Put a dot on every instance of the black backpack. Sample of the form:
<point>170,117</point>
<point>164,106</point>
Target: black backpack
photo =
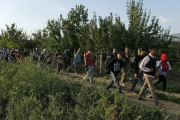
<point>107,70</point>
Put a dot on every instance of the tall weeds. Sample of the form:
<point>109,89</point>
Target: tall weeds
<point>30,92</point>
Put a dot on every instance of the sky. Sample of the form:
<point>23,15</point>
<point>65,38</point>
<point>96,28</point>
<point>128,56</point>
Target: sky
<point>32,15</point>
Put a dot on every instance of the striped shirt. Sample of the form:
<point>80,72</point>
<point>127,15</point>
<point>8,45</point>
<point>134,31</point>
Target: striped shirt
<point>143,67</point>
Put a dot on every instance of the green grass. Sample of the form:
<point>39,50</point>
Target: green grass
<point>170,98</point>
<point>160,96</point>
<point>29,92</point>
<point>173,87</point>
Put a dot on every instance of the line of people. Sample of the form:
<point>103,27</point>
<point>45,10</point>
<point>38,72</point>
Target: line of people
<point>59,58</point>
<point>145,66</point>
<point>43,56</point>
<point>11,55</point>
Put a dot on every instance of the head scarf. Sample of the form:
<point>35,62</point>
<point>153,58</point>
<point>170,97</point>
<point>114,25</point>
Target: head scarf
<point>164,62</point>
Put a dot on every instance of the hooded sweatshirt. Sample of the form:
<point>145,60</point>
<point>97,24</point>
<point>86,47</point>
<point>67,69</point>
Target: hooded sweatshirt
<point>163,66</point>
<point>115,65</point>
<point>89,59</point>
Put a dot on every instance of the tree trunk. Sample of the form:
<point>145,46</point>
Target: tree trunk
<point>101,62</point>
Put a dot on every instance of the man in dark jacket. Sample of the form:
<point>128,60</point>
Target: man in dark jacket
<point>67,59</point>
<point>115,66</point>
<point>126,65</point>
<point>138,73</point>
<point>113,53</point>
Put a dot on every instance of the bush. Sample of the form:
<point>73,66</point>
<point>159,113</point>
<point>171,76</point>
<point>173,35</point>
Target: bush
<point>29,92</point>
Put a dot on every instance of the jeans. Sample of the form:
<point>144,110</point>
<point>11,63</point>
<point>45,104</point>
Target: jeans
<point>113,79</point>
<point>67,62</point>
<point>91,72</point>
<point>140,76</point>
<point>59,66</point>
<point>76,67</point>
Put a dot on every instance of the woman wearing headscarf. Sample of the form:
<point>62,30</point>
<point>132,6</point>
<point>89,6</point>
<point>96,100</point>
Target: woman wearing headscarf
<point>163,66</point>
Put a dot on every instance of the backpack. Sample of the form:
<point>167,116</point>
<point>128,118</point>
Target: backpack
<point>139,65</point>
<point>107,70</point>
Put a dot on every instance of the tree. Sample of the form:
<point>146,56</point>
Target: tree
<point>142,31</point>
<point>76,21</point>
<point>13,37</point>
<point>41,39</point>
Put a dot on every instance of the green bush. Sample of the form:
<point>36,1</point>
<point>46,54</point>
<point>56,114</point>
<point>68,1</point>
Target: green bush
<point>30,92</point>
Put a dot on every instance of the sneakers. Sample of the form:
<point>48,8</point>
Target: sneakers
<point>133,92</point>
<point>85,77</point>
<point>121,93</point>
<point>141,99</point>
<point>149,95</point>
<point>160,104</point>
<point>123,84</point>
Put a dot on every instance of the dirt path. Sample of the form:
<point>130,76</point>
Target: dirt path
<point>170,107</point>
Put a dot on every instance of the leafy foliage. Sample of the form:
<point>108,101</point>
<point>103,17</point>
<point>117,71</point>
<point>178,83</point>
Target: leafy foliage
<point>142,31</point>
<point>29,92</point>
<point>13,37</point>
<point>99,34</point>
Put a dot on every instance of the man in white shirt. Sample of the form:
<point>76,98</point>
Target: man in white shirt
<point>148,66</point>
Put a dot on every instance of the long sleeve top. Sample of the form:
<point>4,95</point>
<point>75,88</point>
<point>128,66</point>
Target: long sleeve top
<point>126,62</point>
<point>137,61</point>
<point>159,67</point>
<point>143,66</point>
<point>88,59</point>
<point>115,65</point>
<point>77,58</point>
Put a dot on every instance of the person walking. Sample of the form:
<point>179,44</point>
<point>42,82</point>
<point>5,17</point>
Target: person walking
<point>13,53</point>
<point>44,54</point>
<point>139,73</point>
<point>49,59</point>
<point>5,54</point>
<point>10,57</point>
<point>36,55</point>
<point>126,65</point>
<point>148,66</point>
<point>58,60</point>
<point>115,66</point>
<point>88,59</point>
<point>18,54</point>
<point>26,52</point>
<point>77,60</point>
<point>67,59</point>
<point>163,66</point>
<point>113,53</point>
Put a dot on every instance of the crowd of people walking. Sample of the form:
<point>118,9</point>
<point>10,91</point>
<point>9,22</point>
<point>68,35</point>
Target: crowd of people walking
<point>145,69</point>
<point>145,66</point>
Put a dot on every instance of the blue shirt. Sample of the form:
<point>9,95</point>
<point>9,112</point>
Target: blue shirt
<point>77,58</point>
